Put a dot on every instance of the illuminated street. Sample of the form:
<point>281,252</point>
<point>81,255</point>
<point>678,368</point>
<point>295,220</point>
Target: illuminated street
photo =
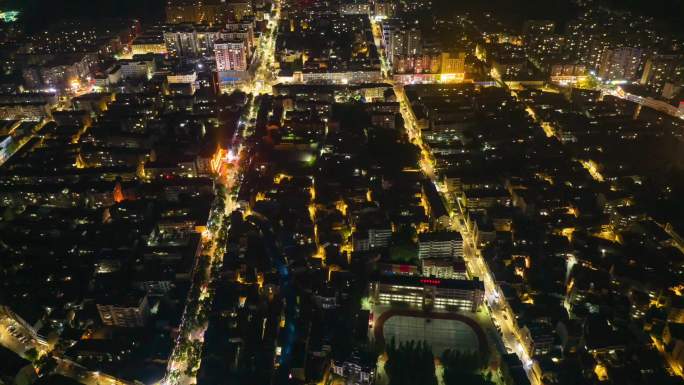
<point>12,333</point>
<point>342,192</point>
<point>476,264</point>
<point>214,243</point>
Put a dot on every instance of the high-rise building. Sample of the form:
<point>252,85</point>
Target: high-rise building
<point>392,38</point>
<point>414,42</point>
<point>127,311</point>
<point>240,30</point>
<point>190,41</point>
<point>231,55</point>
<point>182,42</point>
<point>440,244</point>
<point>592,52</point>
<point>620,63</point>
<point>400,40</point>
<point>662,69</point>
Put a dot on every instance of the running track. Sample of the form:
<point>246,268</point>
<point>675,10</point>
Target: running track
<point>380,324</point>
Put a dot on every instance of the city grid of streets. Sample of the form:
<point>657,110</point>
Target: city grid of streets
<point>262,83</point>
<point>495,316</point>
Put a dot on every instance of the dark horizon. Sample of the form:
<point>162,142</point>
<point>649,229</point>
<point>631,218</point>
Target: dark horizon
<point>45,12</point>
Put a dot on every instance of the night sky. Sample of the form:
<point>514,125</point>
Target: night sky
<point>38,13</point>
<point>670,11</point>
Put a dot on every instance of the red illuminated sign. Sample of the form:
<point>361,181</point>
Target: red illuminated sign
<point>430,281</point>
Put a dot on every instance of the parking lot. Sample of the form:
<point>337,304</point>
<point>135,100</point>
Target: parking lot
<point>15,337</point>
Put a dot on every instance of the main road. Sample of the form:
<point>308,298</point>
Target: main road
<point>179,369</point>
<point>261,66</point>
<point>477,266</point>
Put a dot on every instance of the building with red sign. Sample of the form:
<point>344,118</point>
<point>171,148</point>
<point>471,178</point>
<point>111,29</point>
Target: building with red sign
<point>448,294</point>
